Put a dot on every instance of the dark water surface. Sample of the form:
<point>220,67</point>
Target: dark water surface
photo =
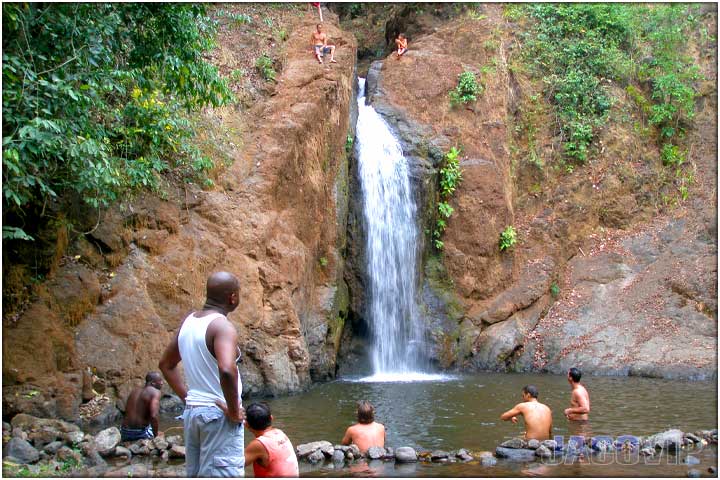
<point>463,412</point>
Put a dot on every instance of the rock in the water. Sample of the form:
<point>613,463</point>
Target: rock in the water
<point>648,452</point>
<point>160,443</point>
<point>690,460</point>
<point>533,444</point>
<point>328,450</point>
<point>488,461</point>
<point>174,440</point>
<point>712,470</point>
<point>543,452</point>
<point>66,454</point>
<point>550,444</point>
<point>355,450</point>
<point>171,404</point>
<point>94,459</point>
<point>142,447</point>
<point>389,453</point>
<point>439,455</point>
<point>693,473</point>
<point>669,440</point>
<point>316,456</point>
<point>136,470</point>
<point>53,447</point>
<point>177,451</point>
<point>349,455</point>
<point>107,440</point>
<point>514,443</point>
<point>516,454</point>
<point>342,448</point>
<point>405,455</point>
<point>375,453</point>
<point>338,456</point>
<point>18,432</point>
<point>692,437</point>
<point>123,452</point>
<point>165,455</point>
<point>306,449</point>
<point>21,450</point>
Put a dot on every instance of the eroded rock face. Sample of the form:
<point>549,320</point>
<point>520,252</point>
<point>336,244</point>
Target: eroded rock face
<point>277,220</point>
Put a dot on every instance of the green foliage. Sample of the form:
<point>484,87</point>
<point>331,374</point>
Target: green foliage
<point>237,18</point>
<point>96,96</point>
<point>672,155</point>
<point>268,21</point>
<point>467,89</point>
<point>237,74</point>
<point>450,178</point>
<point>508,238</point>
<point>280,34</point>
<point>349,143</point>
<point>264,65</point>
<point>323,262</point>
<point>554,290</point>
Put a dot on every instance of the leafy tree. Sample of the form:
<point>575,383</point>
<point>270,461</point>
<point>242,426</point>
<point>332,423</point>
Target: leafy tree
<point>96,97</point>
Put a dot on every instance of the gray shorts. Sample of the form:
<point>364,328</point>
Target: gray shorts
<point>320,50</point>
<point>214,446</point>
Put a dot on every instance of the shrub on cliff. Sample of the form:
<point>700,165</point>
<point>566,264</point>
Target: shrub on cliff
<point>95,101</point>
<point>467,89</point>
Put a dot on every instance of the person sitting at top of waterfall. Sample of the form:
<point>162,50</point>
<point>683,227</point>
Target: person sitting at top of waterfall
<point>537,416</point>
<point>402,45</point>
<point>320,46</point>
<point>141,410</point>
<point>367,432</point>
<point>579,399</point>
<point>271,454</point>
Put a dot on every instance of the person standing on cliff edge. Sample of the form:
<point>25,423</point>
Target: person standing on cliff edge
<point>206,343</point>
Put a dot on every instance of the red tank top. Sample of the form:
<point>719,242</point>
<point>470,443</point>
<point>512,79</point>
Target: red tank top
<point>281,454</point>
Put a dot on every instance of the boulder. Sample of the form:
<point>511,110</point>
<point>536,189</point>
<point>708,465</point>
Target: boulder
<point>532,444</point>
<point>6,426</point>
<point>648,452</point>
<point>170,403</point>
<point>174,440</point>
<point>690,460</point>
<point>107,440</point>
<point>543,452</point>
<point>99,413</point>
<point>405,455</point>
<point>375,453</point>
<point>516,454</point>
<point>30,423</point>
<point>355,450</point>
<point>514,443</point>
<point>692,438</point>
<point>712,470</point>
<point>669,440</point>
<point>21,451</point>
<point>165,455</point>
<point>389,453</point>
<point>43,436</point>
<point>160,443</point>
<point>19,433</point>
<point>306,449</point>
<point>73,438</point>
<point>121,451</point>
<point>142,447</point>
<point>316,456</point>
<point>177,451</point>
<point>439,456</point>
<point>93,459</point>
<point>342,448</point>
<point>53,447</point>
<point>693,473</point>
<point>66,454</point>
<point>338,456</point>
<point>488,461</point>
<point>549,444</point>
<point>328,450</point>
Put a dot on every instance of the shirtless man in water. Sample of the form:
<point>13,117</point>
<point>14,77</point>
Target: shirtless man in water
<point>320,46</point>
<point>579,399</point>
<point>367,432</point>
<point>538,417</point>
<point>141,410</point>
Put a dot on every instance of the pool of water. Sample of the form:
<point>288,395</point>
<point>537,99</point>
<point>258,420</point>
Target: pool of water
<point>463,412</point>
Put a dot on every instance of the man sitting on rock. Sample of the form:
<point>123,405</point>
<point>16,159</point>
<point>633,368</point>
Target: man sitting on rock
<point>320,45</point>
<point>367,432</point>
<point>271,454</point>
<point>141,410</point>
<point>538,417</point>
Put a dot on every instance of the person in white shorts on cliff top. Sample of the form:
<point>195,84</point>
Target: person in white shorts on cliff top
<point>206,343</point>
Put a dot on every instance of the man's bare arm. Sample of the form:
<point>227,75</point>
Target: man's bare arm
<point>510,414</point>
<point>583,405</point>
<point>154,412</point>
<point>256,452</point>
<point>225,347</point>
<point>169,367</point>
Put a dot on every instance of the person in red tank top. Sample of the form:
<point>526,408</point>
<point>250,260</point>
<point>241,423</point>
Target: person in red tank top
<point>271,454</point>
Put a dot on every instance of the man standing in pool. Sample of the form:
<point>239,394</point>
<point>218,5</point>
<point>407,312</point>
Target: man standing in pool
<point>537,416</point>
<point>579,399</point>
<point>367,432</point>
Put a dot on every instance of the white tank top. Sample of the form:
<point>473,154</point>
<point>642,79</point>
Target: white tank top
<point>201,368</point>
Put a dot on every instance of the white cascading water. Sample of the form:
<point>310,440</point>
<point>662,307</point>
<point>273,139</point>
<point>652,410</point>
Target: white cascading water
<point>391,250</point>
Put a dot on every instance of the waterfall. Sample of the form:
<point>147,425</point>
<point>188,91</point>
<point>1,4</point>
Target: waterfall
<point>398,336</point>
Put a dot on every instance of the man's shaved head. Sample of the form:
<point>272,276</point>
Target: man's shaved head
<point>153,377</point>
<point>223,289</point>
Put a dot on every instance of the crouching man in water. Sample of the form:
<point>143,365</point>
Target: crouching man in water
<point>537,416</point>
<point>367,432</point>
<point>141,410</point>
<point>271,454</point>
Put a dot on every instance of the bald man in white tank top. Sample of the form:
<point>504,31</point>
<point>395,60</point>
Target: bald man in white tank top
<point>206,343</point>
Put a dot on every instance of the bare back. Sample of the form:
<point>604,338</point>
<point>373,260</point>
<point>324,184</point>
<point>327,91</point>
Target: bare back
<point>538,420</point>
<point>365,435</point>
<point>139,406</point>
<point>579,398</point>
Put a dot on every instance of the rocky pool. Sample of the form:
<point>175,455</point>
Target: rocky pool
<point>463,412</point>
